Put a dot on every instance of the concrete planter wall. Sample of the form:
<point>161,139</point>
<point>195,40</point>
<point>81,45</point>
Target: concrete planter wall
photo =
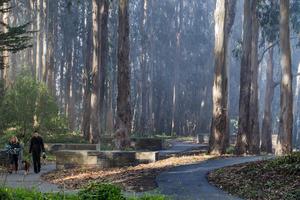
<point>61,146</point>
<point>106,159</point>
<point>150,144</point>
<point>139,144</point>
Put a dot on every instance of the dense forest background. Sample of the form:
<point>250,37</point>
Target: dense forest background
<point>171,63</point>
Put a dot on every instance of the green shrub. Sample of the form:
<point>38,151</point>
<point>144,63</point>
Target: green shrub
<point>26,194</point>
<point>25,101</point>
<point>4,194</point>
<point>101,191</point>
<point>95,191</point>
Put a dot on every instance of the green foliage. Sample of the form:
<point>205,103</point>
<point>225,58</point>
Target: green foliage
<point>101,192</point>
<point>15,38</point>
<point>94,191</point>
<point>4,194</point>
<point>230,150</point>
<point>25,101</point>
<point>69,137</point>
<point>268,15</point>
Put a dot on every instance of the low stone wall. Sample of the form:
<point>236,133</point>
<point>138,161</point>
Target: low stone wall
<point>139,144</point>
<point>149,144</point>
<point>109,159</point>
<point>106,159</point>
<point>66,159</point>
<point>61,146</point>
<point>147,157</point>
<point>204,139</point>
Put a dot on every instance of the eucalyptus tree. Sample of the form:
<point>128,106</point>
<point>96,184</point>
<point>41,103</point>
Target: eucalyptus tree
<point>284,143</point>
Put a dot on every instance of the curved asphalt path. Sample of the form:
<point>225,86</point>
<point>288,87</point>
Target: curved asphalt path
<point>190,182</point>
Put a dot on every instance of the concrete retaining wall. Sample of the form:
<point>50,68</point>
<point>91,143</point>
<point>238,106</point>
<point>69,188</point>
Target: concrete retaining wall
<point>107,159</point>
<point>150,144</point>
<point>53,147</point>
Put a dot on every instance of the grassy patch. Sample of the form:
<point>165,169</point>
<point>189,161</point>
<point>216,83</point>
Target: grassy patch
<point>270,179</point>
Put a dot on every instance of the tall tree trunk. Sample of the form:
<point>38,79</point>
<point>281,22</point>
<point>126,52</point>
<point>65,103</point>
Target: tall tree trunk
<point>253,105</point>
<point>95,90</point>
<point>49,74</point>
<point>104,58</point>
<point>5,59</point>
<point>38,61</point>
<point>32,50</point>
<point>123,98</point>
<point>144,68</point>
<point>220,114</point>
<point>69,93</point>
<point>296,111</point>
<point>244,134</point>
<point>266,131</point>
<point>224,18</point>
<point>44,29</point>
<point>284,143</point>
<point>175,126</point>
<point>85,125</point>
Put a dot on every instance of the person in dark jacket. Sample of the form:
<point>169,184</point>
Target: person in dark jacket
<point>13,150</point>
<point>36,149</point>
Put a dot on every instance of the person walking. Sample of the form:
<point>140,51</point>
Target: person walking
<point>13,149</point>
<point>36,149</point>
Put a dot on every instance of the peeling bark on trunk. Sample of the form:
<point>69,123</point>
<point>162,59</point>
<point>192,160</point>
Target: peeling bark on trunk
<point>284,143</point>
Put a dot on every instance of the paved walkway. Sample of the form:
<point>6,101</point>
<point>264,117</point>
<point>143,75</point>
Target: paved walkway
<point>190,182</point>
<point>30,181</point>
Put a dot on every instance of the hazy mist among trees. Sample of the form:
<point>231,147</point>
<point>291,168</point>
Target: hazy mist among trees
<point>147,67</point>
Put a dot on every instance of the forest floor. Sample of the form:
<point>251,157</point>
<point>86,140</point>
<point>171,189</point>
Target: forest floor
<point>274,179</point>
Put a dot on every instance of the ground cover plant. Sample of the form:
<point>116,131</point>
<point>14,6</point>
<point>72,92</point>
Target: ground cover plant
<point>90,192</point>
<point>277,178</point>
